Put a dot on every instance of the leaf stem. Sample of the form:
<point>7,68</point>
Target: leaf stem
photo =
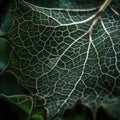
<point>105,5</point>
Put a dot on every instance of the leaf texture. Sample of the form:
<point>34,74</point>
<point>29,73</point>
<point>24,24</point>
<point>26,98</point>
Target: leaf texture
<point>67,53</point>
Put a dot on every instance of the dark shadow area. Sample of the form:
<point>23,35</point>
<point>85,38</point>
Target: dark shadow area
<point>102,115</point>
<point>78,112</point>
<point>9,111</point>
<point>3,9</point>
<point>10,86</point>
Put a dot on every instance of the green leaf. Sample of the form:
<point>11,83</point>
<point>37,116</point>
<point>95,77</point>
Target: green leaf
<point>10,86</point>
<point>112,108</point>
<point>10,111</point>
<point>37,117</point>
<point>6,24</point>
<point>67,4</point>
<point>29,105</point>
<point>5,16</point>
<point>78,112</point>
<point>63,54</point>
<point>4,53</point>
<point>116,6</point>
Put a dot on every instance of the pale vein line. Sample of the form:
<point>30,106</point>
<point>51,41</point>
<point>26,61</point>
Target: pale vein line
<point>70,16</point>
<point>96,54</point>
<point>31,109</point>
<point>67,50</point>
<point>79,78</point>
<point>80,22</point>
<point>72,10</point>
<point>83,69</point>
<point>25,49</point>
<point>113,50</point>
<point>67,10</point>
<point>112,44</point>
<point>114,11</point>
<point>61,57</point>
<point>63,9</point>
<point>73,23</point>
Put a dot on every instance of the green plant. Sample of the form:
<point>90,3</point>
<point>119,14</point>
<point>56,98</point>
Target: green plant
<point>64,51</point>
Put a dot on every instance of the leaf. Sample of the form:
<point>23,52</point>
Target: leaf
<point>78,112</point>
<point>4,53</point>
<point>6,24</point>
<point>29,105</point>
<point>66,51</point>
<point>111,108</point>
<point>9,85</point>
<point>5,17</point>
<point>10,111</point>
<point>116,6</point>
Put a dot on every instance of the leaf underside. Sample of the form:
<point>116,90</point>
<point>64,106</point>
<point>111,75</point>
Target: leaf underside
<point>65,53</point>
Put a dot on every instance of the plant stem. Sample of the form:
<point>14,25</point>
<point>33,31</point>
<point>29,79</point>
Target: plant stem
<point>105,5</point>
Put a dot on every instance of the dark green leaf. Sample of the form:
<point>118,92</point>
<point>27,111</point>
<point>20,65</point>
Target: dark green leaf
<point>63,54</point>
<point>4,53</point>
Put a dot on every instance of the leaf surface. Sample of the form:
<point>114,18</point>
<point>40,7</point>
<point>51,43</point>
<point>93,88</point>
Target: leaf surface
<point>66,53</point>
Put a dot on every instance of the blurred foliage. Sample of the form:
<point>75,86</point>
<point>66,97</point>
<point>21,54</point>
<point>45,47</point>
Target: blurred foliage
<point>5,16</point>
<point>110,110</point>
<point>4,53</point>
<point>78,112</point>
